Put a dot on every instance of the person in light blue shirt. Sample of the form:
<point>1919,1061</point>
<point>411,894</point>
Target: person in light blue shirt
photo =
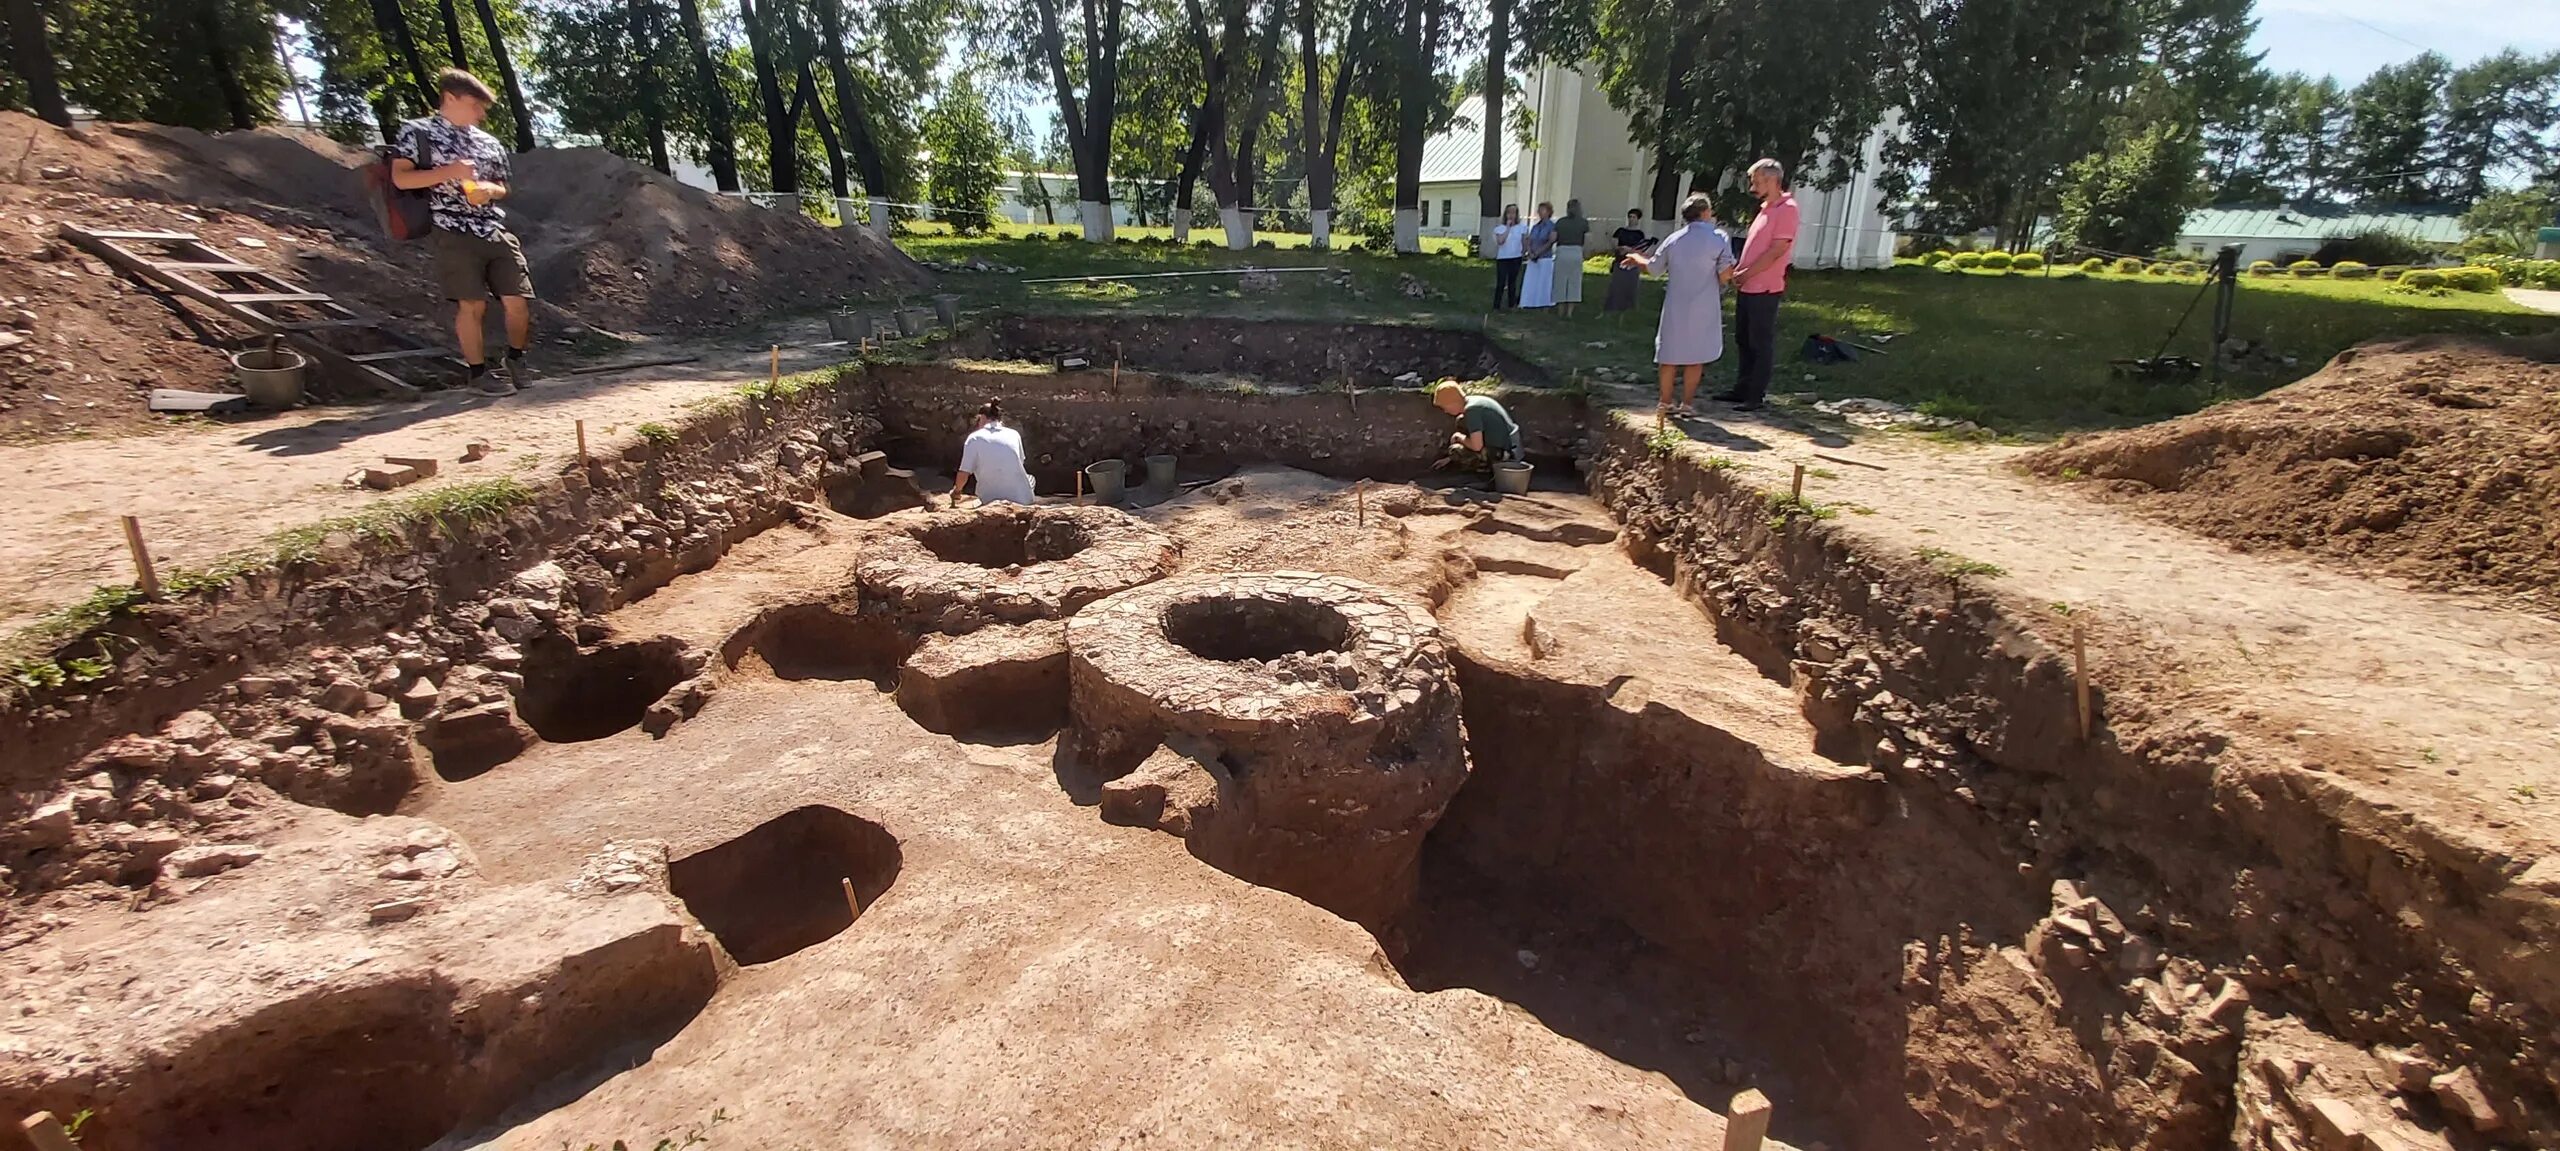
<point>993,455</point>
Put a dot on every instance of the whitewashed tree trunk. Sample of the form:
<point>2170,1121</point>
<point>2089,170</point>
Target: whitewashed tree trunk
<point>1181,226</point>
<point>1409,229</point>
<point>1320,229</point>
<point>1239,224</point>
<point>1097,221</point>
<point>879,218</point>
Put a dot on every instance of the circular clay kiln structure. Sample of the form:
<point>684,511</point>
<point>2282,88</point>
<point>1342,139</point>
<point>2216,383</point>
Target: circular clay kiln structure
<point>1324,708</point>
<point>961,570</point>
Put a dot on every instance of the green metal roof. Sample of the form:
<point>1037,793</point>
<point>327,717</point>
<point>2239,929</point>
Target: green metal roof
<point>2276,222</point>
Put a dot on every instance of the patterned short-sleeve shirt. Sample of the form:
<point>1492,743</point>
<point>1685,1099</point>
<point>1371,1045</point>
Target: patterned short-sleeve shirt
<point>433,142</point>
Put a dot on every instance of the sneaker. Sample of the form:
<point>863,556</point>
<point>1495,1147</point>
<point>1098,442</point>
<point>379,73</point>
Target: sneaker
<point>519,371</point>
<point>1729,397</point>
<point>489,383</point>
<point>1748,405</point>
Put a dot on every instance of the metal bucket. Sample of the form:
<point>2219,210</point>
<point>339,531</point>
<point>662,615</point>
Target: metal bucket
<point>1511,479</point>
<point>914,321</point>
<point>847,326</point>
<point>271,376</point>
<point>1106,480</point>
<point>1159,471</point>
<point>946,309</point>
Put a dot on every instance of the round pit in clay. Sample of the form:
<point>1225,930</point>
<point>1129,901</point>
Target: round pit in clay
<point>961,570</point>
<point>1320,709</point>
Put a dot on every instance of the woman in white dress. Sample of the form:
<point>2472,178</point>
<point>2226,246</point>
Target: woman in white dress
<point>1698,259</point>
<point>1510,240</point>
<point>1538,281</point>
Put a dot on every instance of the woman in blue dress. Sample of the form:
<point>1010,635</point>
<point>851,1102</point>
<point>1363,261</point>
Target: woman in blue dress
<point>1698,260</point>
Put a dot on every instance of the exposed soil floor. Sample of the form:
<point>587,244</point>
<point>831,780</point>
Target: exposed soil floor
<point>2428,703</point>
<point>214,487</point>
<point>1038,978</point>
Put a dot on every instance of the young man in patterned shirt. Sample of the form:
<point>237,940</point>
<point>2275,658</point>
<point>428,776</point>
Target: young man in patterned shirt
<point>465,171</point>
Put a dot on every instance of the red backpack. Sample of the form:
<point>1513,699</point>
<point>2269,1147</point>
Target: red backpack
<point>403,212</point>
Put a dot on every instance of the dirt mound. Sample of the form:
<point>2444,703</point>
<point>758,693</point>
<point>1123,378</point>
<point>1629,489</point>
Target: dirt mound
<point>614,247</point>
<point>2435,460</point>
<point>629,247</point>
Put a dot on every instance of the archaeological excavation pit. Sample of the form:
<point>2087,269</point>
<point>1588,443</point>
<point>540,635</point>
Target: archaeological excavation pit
<point>795,881</point>
<point>816,642</point>
<point>958,570</point>
<point>573,694</point>
<point>1307,724</point>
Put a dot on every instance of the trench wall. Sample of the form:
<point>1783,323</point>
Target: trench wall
<point>1293,351</point>
<point>1909,928</point>
<point>1071,419</point>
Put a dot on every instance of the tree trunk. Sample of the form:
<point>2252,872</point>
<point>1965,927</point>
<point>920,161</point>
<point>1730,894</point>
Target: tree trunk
<point>644,51</point>
<point>1264,84</point>
<point>1087,122</point>
<point>1497,79</point>
<point>807,94</point>
<point>226,71</point>
<point>522,112</point>
<point>1666,185</point>
<point>394,27</point>
<point>1321,124</point>
<point>453,49</point>
<point>1421,34</point>
<point>858,137</point>
<point>31,53</point>
<point>781,130</point>
<point>724,134</point>
<point>1208,125</point>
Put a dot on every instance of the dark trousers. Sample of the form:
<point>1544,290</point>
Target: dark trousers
<point>1755,337</point>
<point>1506,283</point>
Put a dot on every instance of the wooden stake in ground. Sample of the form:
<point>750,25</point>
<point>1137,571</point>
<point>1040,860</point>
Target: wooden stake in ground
<point>1797,493</point>
<point>2080,676</point>
<point>144,576</point>
<point>1746,1121</point>
<point>582,443</point>
<point>44,1133</point>
<point>777,365</point>
<point>852,900</point>
<point>1079,486</point>
<point>1360,503</point>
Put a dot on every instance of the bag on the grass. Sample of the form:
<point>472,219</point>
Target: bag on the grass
<point>403,212</point>
<point>1822,349</point>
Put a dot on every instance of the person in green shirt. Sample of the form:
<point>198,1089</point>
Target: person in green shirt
<point>1571,231</point>
<point>1484,427</point>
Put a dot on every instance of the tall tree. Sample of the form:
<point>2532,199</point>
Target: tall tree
<point>1497,80</point>
<point>968,155</point>
<point>860,140</point>
<point>217,47</point>
<point>1416,47</point>
<point>804,98</point>
<point>1320,116</point>
<point>521,111</point>
<point>455,53</point>
<point>394,28</point>
<point>2393,119</point>
<point>2498,117</point>
<point>31,54</point>
<point>2133,192</point>
<point>768,39</point>
<point>1087,119</point>
<point>718,123</point>
<point>640,21</point>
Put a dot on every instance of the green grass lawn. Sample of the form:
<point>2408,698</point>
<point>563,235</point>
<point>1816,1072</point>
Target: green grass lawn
<point>2025,355</point>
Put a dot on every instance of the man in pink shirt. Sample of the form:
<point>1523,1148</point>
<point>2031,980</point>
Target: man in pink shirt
<point>1760,284</point>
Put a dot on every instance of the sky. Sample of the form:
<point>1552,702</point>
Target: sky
<point>2348,39</point>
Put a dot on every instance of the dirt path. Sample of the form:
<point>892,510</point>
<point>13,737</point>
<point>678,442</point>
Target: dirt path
<point>2536,299</point>
<point>2434,703</point>
<point>204,492</point>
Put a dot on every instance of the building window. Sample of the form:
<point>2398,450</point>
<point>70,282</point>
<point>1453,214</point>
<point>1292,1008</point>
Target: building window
<point>1444,213</point>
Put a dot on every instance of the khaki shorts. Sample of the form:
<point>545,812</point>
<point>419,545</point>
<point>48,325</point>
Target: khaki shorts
<point>468,267</point>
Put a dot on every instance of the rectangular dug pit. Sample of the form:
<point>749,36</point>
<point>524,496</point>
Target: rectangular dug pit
<point>780,888</point>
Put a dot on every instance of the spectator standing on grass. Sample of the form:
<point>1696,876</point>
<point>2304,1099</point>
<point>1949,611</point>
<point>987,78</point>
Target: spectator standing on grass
<point>1538,278</point>
<point>1483,426</point>
<point>1510,240</point>
<point>1572,230</point>
<point>465,173</point>
<point>993,455</point>
<point>1698,260</point>
<point>1624,276</point>
<point>1760,284</point>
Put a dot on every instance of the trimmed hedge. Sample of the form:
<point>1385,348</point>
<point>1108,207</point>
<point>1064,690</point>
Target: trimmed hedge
<point>1998,261</point>
<point>2186,268</point>
<point>1966,259</point>
<point>2391,273</point>
<point>2306,269</point>
<point>2094,265</point>
<point>2421,279</point>
<point>2155,270</point>
<point>2471,279</point>
<point>2128,266</point>
<point>1933,259</point>
<point>2028,262</point>
<point>2262,267</point>
<point>2350,270</point>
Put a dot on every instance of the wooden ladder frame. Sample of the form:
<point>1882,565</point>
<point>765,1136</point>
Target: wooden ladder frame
<point>248,296</point>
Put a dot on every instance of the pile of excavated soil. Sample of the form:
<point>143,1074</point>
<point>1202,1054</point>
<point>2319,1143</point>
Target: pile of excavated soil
<point>2435,460</point>
<point>613,245</point>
